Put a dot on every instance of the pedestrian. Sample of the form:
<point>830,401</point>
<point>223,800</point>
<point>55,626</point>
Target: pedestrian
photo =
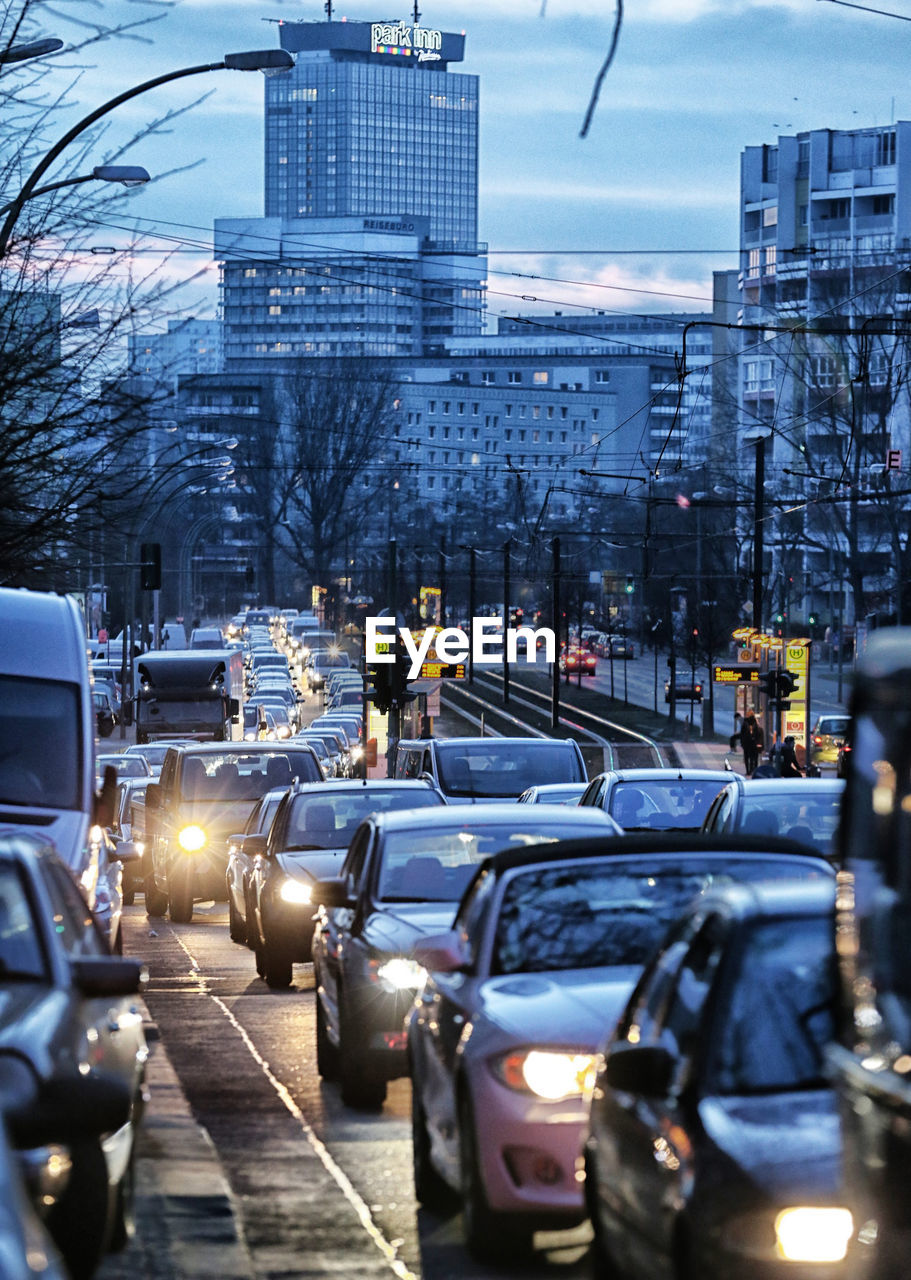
<point>751,742</point>
<point>790,766</point>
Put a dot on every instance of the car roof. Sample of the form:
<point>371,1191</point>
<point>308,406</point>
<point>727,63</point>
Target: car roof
<point>658,844</point>
<point>790,786</point>
<point>505,814</point>
<point>666,775</point>
<point>237,748</point>
<point>338,786</point>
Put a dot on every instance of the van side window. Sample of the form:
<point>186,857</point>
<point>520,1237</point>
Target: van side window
<point>427,766</point>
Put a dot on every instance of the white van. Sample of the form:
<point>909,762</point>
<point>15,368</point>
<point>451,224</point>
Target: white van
<point>47,733</point>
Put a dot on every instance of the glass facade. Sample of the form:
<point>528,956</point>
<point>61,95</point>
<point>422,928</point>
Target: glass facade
<point>365,138</point>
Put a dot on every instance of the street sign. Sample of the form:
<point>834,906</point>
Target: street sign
<point>741,674</point>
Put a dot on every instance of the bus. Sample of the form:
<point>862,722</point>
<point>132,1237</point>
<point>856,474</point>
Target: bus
<point>871,1059</point>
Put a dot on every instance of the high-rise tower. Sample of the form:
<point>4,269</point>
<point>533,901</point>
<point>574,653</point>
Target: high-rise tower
<point>369,242</point>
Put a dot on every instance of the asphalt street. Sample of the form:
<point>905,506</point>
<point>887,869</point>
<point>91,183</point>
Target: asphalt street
<point>308,1187</point>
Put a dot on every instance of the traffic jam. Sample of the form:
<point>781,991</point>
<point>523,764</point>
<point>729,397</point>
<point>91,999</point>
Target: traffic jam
<point>460,1007</point>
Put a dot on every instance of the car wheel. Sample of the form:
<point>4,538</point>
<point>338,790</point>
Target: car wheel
<point>156,899</point>
<point>78,1222</point>
<point>250,924</point>
<point>361,1088</point>
<point>603,1266</point>
<point>123,1227</point>
<point>489,1234</point>
<point>429,1188</point>
<point>117,944</point>
<point>260,960</point>
<point>277,966</point>
<point>326,1051</point>
<point>237,928</point>
<point>180,891</point>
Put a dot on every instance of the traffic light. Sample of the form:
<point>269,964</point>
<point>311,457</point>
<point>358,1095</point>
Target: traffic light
<point>787,683</point>
<point>150,566</point>
<point>399,678</point>
<point>768,684</point>
<point>381,693</point>
<point>630,584</point>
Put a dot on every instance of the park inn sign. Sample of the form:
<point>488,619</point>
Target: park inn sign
<point>398,37</point>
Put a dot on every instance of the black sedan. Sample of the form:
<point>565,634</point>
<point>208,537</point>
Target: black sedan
<point>714,1148</point>
<point>402,879</point>
<point>72,1051</point>
<point>306,842</point>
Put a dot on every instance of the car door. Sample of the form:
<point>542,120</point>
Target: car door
<point>654,1137</point>
<point>333,924</point>
<point>447,1004</point>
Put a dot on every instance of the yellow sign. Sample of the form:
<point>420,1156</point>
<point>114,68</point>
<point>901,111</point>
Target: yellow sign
<point>442,671</point>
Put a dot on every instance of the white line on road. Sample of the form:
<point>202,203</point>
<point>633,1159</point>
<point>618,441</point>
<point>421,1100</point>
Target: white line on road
<point>334,1170</point>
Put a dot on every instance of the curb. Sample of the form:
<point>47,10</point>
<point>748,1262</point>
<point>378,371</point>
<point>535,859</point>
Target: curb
<point>187,1227</point>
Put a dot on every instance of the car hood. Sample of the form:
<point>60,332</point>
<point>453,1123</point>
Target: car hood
<point>64,831</point>
<point>315,864</point>
<point>787,1142</point>
<point>399,926</point>
<point>577,1007</point>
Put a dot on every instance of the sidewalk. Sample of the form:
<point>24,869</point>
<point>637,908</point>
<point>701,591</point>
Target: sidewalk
<point>706,755</point>
<point>186,1225</point>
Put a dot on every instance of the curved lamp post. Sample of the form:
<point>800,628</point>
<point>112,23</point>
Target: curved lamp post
<point>267,60</point>
<point>129,175</point>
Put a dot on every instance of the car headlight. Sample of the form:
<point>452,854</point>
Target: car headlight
<point>283,731</point>
<point>547,1073</point>
<point>296,892</point>
<point>356,752</point>
<point>191,839</point>
<point>813,1234</point>
<point>401,974</point>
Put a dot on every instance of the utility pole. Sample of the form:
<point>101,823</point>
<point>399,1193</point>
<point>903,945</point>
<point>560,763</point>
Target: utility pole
<point>555,626</point>
<point>758,517</point>
<point>507,587</point>
<point>472,584</point>
<point>443,583</point>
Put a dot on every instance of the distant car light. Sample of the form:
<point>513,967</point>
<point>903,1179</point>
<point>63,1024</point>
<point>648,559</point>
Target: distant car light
<point>548,1074</point>
<point>813,1234</point>
<point>295,892</point>
<point>191,839</point>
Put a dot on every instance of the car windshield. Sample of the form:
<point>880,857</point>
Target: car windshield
<point>811,818</point>
<point>40,743</point>
<point>126,766</point>
<point>503,770</point>
<point>21,954</point>
<point>779,1010</point>
<point>836,726</point>
<point>436,865</point>
<point>239,775</point>
<point>329,819</point>
<point>675,804</point>
<point>604,913</point>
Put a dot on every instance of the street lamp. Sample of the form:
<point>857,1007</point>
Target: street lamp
<point>266,60</point>
<point>33,49</point>
<point>129,175</point>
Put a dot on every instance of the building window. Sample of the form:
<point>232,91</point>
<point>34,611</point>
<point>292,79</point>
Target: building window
<point>771,256</point>
<point>250,271</point>
<point>509,411</point>
<point>536,411</point>
<point>475,409</point>
<point>541,378</point>
<point>884,204</point>
<point>602,376</point>
<point>753,263</point>
<point>514,375</point>
<point>460,407</point>
<point>885,147</point>
<point>445,406</point>
<point>770,215</point>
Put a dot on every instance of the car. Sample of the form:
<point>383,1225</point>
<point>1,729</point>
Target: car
<point>206,792</point>
<point>128,826</point>
<point>826,737</point>
<point>545,949</point>
<point>479,770</point>
<point>240,865</point>
<point>106,718</point>
<point>72,1052</point>
<point>802,809</point>
<point>323,661</point>
<point>26,1248</point>
<point>656,799</point>
<point>576,659</point>
<point>336,743</point>
<point>127,766</point>
<point>307,841</point>
<point>619,647</point>
<point>206,638</point>
<point>553,793</point>
<point>684,690</point>
<point>711,1100</point>
<point>402,878</point>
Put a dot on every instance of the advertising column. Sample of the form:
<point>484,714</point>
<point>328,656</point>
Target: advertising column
<point>796,719</point>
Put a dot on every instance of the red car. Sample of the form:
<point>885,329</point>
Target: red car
<point>574,658</point>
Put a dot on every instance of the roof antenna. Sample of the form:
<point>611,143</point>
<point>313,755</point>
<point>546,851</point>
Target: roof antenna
<point>328,7</point>
<point>417,14</point>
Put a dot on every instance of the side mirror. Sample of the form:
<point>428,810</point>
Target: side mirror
<point>643,1069</point>
<point>125,851</point>
<point>332,893</point>
<point>107,976</point>
<point>427,777</point>
<point>254,846</point>
<point>153,795</point>
<point>442,953</point>
<point>234,708</point>
<point>371,755</point>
